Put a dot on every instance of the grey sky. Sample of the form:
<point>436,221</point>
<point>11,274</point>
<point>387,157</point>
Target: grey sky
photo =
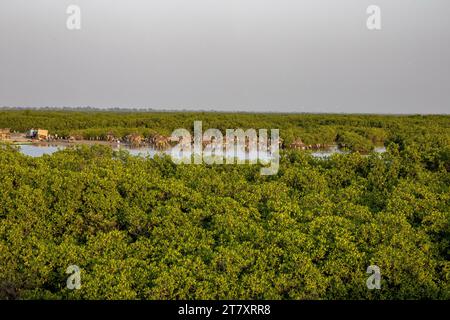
<point>247,55</point>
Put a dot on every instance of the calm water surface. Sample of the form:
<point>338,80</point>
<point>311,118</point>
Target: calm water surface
<point>35,150</point>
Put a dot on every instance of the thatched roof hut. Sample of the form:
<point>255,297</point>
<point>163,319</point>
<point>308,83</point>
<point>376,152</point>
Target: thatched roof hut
<point>297,144</point>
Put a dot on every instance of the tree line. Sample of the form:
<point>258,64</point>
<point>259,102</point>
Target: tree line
<point>354,132</point>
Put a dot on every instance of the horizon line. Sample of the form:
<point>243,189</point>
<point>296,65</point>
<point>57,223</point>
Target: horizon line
<point>153,110</point>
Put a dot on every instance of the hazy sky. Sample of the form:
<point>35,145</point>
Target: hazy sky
<point>247,55</point>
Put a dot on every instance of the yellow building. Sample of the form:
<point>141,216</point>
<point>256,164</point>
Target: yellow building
<point>5,134</point>
<point>42,134</point>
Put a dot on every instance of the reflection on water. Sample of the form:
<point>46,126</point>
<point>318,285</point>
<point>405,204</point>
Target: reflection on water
<point>379,149</point>
<point>142,152</point>
<point>327,152</point>
<point>38,150</point>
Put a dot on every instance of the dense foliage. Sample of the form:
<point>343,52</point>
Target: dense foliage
<point>149,229</point>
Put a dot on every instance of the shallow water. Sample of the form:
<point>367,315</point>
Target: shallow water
<point>38,150</point>
<point>327,152</point>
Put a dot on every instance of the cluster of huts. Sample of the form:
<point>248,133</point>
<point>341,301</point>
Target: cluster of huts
<point>157,141</point>
<point>136,140</point>
<point>299,145</point>
<point>163,142</point>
